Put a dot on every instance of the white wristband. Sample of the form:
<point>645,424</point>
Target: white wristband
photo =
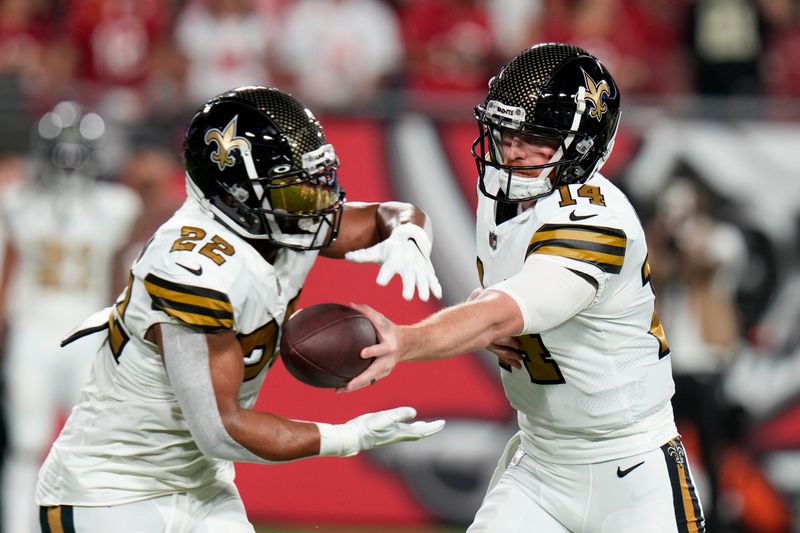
<point>337,440</point>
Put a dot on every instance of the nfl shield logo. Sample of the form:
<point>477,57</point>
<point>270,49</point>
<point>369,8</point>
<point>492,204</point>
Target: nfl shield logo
<point>493,240</point>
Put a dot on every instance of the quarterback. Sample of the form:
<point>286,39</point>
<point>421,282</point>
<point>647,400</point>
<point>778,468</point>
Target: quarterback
<point>567,306</point>
<point>188,343</point>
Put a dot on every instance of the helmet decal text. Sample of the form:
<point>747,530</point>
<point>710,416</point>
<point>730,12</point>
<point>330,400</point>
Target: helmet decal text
<point>226,141</point>
<point>594,95</point>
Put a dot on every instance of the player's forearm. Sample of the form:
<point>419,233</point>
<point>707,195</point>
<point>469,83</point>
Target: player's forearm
<point>273,437</point>
<point>206,372</point>
<point>460,329</point>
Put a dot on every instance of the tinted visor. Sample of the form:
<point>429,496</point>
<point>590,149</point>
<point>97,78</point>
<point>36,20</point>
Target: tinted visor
<point>301,196</point>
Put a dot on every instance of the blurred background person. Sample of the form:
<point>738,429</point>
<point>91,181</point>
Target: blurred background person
<point>156,175</point>
<point>513,23</point>
<point>225,43</point>
<point>36,61</point>
<point>115,43</point>
<point>781,62</point>
<point>726,41</point>
<point>644,54</point>
<point>337,53</point>
<point>699,259</point>
<point>451,47</point>
<point>12,169</point>
<point>63,230</point>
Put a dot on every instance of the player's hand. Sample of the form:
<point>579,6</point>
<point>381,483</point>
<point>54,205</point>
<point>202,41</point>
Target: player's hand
<point>407,252</point>
<point>475,293</point>
<point>385,352</point>
<point>507,350</point>
<point>373,430</point>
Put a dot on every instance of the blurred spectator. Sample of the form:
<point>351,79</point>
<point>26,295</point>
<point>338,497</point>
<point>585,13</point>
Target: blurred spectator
<point>116,40</point>
<point>226,44</point>
<point>339,52</point>
<point>62,230</point>
<point>726,40</point>
<point>696,261</point>
<point>12,168</point>
<point>765,381</point>
<point>24,29</point>
<point>637,40</point>
<point>450,45</point>
<point>36,65</point>
<point>155,174</point>
<point>782,57</point>
<point>513,24</point>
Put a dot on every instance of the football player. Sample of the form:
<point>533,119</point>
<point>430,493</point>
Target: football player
<point>64,232</point>
<point>188,343</point>
<point>567,306</point>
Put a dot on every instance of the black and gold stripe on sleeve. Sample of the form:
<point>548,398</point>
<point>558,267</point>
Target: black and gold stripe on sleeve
<point>198,307</point>
<point>600,246</point>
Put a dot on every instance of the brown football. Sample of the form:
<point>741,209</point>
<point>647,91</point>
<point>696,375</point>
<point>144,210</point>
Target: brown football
<point>321,344</point>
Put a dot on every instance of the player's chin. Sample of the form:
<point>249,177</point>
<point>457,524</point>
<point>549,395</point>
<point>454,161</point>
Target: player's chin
<point>526,174</point>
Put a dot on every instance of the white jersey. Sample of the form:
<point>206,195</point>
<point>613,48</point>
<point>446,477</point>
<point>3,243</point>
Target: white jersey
<point>127,440</point>
<point>65,238</point>
<point>598,386</point>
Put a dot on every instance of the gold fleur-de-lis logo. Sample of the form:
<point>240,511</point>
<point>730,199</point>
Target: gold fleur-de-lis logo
<point>594,95</point>
<point>226,141</point>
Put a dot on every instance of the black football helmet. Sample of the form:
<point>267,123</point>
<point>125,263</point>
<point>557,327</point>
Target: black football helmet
<point>67,146</point>
<point>258,161</point>
<point>556,92</point>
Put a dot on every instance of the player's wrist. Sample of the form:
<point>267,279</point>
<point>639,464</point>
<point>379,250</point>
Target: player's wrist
<point>339,440</point>
<point>411,340</point>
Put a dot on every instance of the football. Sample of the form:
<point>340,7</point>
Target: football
<point>321,344</point>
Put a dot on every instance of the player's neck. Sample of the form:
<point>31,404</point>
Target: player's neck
<point>265,249</point>
<point>507,210</point>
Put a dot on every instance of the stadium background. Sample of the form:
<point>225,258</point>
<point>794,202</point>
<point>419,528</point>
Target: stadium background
<point>710,97</point>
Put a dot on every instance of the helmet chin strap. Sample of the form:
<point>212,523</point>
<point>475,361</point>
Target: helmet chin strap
<point>527,187</point>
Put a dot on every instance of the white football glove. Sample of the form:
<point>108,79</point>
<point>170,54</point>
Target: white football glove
<point>407,251</point>
<point>373,430</point>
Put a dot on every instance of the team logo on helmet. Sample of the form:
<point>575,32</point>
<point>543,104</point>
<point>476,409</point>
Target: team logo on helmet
<point>595,93</point>
<point>226,141</point>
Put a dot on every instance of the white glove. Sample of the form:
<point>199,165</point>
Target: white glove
<point>373,430</point>
<point>407,251</point>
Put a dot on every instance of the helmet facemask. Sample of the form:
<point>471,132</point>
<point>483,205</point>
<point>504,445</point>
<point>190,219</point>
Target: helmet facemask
<point>293,208</point>
<point>67,146</point>
<point>570,146</point>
